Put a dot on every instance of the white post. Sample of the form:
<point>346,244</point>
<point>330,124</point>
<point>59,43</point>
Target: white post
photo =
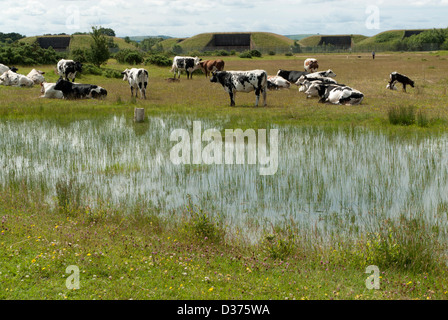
<point>139,114</point>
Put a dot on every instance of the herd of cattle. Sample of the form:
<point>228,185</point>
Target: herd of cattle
<point>311,82</point>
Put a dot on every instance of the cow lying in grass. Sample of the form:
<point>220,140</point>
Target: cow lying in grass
<point>336,94</point>
<point>79,91</point>
<point>48,91</point>
<point>10,78</point>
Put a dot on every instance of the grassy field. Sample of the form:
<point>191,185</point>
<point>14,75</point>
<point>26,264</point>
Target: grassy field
<point>136,252</point>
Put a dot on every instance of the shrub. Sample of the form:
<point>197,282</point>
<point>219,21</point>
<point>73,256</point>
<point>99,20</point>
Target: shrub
<point>255,53</point>
<point>91,69</point>
<point>246,55</point>
<point>79,55</point>
<point>129,56</point>
<point>159,60</point>
<point>111,73</point>
<point>134,58</point>
<point>281,242</point>
<point>204,226</point>
<point>288,54</point>
<point>222,53</point>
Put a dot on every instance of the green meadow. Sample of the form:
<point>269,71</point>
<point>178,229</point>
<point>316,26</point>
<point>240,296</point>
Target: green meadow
<point>83,185</point>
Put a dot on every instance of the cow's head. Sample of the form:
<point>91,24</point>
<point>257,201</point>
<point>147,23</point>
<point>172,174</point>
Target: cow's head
<point>197,62</point>
<point>300,81</point>
<point>125,74</point>
<point>78,66</point>
<point>391,86</point>
<point>62,84</point>
<point>215,76</point>
<point>4,79</point>
<point>330,73</point>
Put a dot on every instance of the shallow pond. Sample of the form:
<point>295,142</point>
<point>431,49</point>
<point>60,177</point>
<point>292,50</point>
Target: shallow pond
<point>351,173</point>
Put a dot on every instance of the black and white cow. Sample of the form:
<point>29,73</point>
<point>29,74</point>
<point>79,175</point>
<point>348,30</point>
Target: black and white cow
<point>336,94</point>
<point>137,79</point>
<point>401,78</point>
<point>292,76</point>
<point>68,68</point>
<point>306,84</point>
<point>48,91</point>
<point>79,91</point>
<point>242,81</point>
<point>187,64</point>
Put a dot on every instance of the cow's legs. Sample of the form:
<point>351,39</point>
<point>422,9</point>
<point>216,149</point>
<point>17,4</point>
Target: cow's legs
<point>404,87</point>
<point>144,89</point>
<point>132,91</point>
<point>232,99</point>
<point>264,97</point>
<point>257,95</point>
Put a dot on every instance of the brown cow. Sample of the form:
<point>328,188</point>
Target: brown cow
<point>211,65</point>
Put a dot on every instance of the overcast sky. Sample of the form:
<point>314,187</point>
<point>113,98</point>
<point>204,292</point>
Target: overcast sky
<point>184,18</point>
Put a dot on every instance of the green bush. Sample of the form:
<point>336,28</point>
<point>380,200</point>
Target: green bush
<point>79,55</point>
<point>134,58</point>
<point>91,69</point>
<point>111,73</point>
<point>28,54</point>
<point>255,53</point>
<point>245,55</point>
<point>159,60</point>
<point>129,56</point>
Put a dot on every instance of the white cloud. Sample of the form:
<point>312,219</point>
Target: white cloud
<point>189,17</point>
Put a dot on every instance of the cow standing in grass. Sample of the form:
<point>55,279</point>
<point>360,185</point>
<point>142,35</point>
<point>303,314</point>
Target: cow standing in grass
<point>187,64</point>
<point>137,79</point>
<point>310,65</point>
<point>242,81</point>
<point>68,69</point>
<point>401,78</point>
<point>209,66</point>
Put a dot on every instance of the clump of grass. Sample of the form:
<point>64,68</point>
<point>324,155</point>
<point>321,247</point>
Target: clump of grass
<point>68,192</point>
<point>405,243</point>
<point>402,115</point>
<point>422,119</point>
<point>280,243</point>
<point>202,225</point>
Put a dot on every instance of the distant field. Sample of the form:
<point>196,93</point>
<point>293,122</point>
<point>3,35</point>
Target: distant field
<point>359,71</point>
